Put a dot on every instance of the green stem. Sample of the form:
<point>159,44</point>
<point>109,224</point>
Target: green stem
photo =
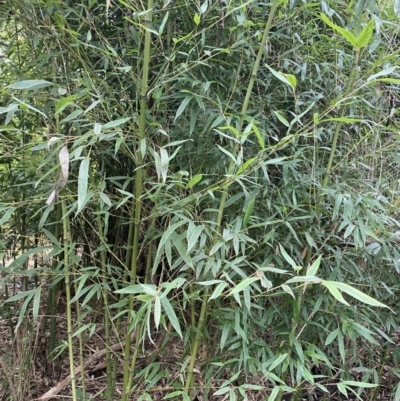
<point>138,193</point>
<point>339,123</point>
<point>67,240</point>
<point>205,296</point>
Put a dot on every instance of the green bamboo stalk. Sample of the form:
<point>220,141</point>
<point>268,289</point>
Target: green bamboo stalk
<point>51,305</point>
<point>140,325</point>
<point>119,320</point>
<point>138,193</point>
<point>67,241</point>
<point>109,395</point>
<point>205,296</point>
<point>80,339</point>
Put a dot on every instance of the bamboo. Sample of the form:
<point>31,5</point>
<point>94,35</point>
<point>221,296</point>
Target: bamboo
<point>67,241</point>
<point>138,193</point>
<point>205,296</point>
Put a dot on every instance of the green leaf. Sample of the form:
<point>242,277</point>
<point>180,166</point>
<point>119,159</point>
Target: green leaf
<point>332,335</point>
<point>334,291</point>
<point>194,180</point>
<point>164,159</point>
<point>116,123</point>
<point>196,19</point>
<point>157,311</point>
<point>348,289</point>
<point>72,115</point>
<point>171,315</point>
<point>182,106</point>
<point>9,211</point>
<point>274,393</point>
<point>382,73</point>
<point>164,21</point>
<point>193,237</point>
<point>343,32</point>
<point>288,290</point>
<point>243,284</point>
<point>64,103</point>
<point>249,210</point>
<point>227,153</point>
<point>282,119</point>
<point>222,390</point>
<point>287,257</point>
<point>313,269</point>
<point>397,395</point>
<point>359,384</point>
<point>365,35</point>
<point>285,78</point>
<point>259,136</point>
<point>83,183</point>
<point>291,79</point>
<point>218,291</point>
<point>32,84</point>
<point>277,362</point>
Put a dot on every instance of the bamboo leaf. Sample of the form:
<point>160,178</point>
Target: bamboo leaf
<point>277,362</point>
<point>249,210</point>
<point>397,394</point>
<point>281,118</point>
<point>287,257</point>
<point>194,180</point>
<point>359,384</point>
<point>243,284</point>
<point>285,78</point>
<point>348,289</point>
<point>83,178</point>
<point>171,315</point>
<point>343,32</point>
<point>365,35</point>
<point>9,211</point>
<point>157,311</point>
<point>386,71</point>
<point>334,291</point>
<point>116,123</point>
<point>288,290</point>
<point>164,21</point>
<point>31,84</point>
<point>182,106</point>
<point>164,159</point>
<point>64,103</point>
<point>218,291</point>
<point>313,269</point>
<point>227,153</point>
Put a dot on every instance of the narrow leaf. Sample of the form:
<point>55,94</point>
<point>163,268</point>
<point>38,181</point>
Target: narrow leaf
<point>83,182</point>
<point>334,291</point>
<point>194,180</point>
<point>386,71</point>
<point>343,32</point>
<point>33,84</point>
<point>243,284</point>
<point>348,289</point>
<point>313,269</point>
<point>171,315</point>
<point>287,257</point>
<point>365,35</point>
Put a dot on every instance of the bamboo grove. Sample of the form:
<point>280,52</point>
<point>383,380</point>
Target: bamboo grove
<point>199,199</point>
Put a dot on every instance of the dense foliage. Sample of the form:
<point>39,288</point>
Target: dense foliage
<point>218,179</point>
